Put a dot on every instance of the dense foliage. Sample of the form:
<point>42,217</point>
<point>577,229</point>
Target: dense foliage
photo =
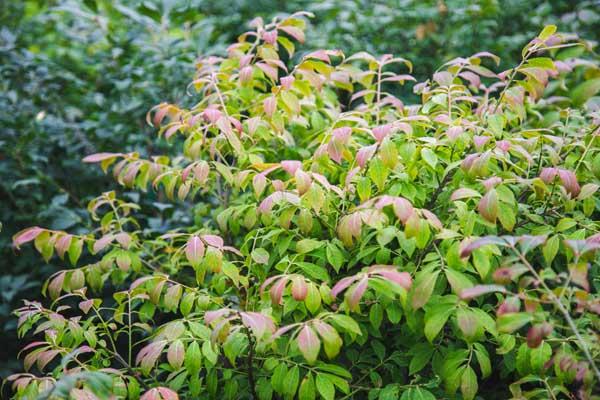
<point>344,244</point>
<point>78,77</point>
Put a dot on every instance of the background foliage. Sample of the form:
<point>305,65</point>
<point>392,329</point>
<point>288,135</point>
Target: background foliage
<point>78,78</point>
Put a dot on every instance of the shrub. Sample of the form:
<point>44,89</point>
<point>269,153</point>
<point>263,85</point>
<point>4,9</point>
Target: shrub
<point>344,244</point>
<point>61,98</point>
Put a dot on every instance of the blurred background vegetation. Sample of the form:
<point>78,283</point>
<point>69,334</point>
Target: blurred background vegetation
<point>78,76</point>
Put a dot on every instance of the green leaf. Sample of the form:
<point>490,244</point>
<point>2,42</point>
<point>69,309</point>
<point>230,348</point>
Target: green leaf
<point>481,261</point>
<point>507,216</point>
<point>548,31</point>
<point>540,356</point>
<point>507,343</point>
<point>346,323</point>
<point>510,322</point>
<point>417,394</point>
<point>435,319</point>
<point>292,379</point>
<point>376,315</point>
<point>307,245</point>
<point>307,388</point>
<point>325,387</point>
<point>378,173</point>
<point>429,157</point>
<point>335,257</point>
<point>550,249</point>
<point>278,378</point>
<point>422,353</point>
<point>468,384</point>
<point>260,256</point>
<point>314,271</point>
<point>423,288</point>
<point>313,299</point>
<point>585,90</point>
<point>209,353</point>
<point>457,280</point>
<point>483,358</point>
<point>522,360</point>
<point>193,358</point>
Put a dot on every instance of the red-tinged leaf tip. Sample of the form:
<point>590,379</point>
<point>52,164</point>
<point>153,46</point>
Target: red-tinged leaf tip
<point>86,305</point>
<point>342,285</point>
<point>258,323</point>
<point>98,157</point>
<point>365,154</point>
<point>214,241</point>
<point>403,209</point>
<point>402,279</point>
<point>211,316</point>
<point>309,344</point>
<point>548,174</point>
<point>101,243</point>
<point>480,290</point>
<point>277,290</point>
<point>477,243</point>
<point>160,393</point>
<point>488,206</point>
<point>381,132</point>
<point>194,250</point>
<point>291,166</point>
<point>270,105</point>
<point>293,31</point>
<point>354,295</point>
<point>299,288</point>
<point>303,181</point>
<point>175,354</point>
<point>569,182</point>
<point>464,193</point>
<point>26,235</point>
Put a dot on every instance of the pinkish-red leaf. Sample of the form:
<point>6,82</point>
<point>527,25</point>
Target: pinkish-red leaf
<point>26,235</point>
<point>194,250</point>
<point>309,344</point>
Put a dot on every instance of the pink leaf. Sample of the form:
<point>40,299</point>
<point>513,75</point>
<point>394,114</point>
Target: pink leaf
<point>548,174</point>
<point>291,166</point>
<point>381,132</point>
<point>488,206</point>
<point>402,279</point>
<point>211,316</point>
<point>479,290</point>
<point>309,344</point>
<point>303,181</point>
<point>293,31</point>
<point>101,243</point>
<point>258,323</point>
<point>94,158</point>
<point>484,241</point>
<point>569,181</point>
<point>167,394</point>
<point>342,285</point>
<point>365,154</point>
<point>86,305</point>
<point>299,288</point>
<point>213,240</point>
<point>354,295</point>
<point>26,235</point>
<point>277,290</point>
<point>403,209</point>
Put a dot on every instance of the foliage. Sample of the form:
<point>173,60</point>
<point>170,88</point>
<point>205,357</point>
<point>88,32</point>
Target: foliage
<point>344,244</point>
<point>78,76</point>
